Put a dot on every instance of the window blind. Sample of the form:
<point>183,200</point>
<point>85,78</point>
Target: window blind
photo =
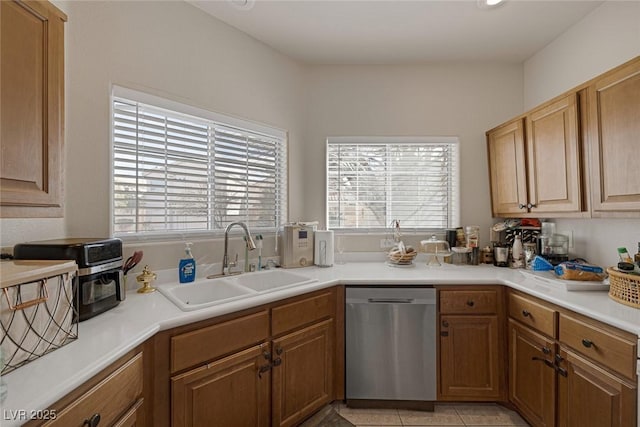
<point>174,172</point>
<point>371,182</point>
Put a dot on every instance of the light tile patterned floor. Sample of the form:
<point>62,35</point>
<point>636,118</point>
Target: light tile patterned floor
<point>444,415</point>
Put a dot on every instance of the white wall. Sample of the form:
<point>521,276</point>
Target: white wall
<point>173,50</point>
<point>607,37</point>
<point>462,100</point>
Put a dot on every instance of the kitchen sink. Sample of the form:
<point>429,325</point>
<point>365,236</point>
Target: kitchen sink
<point>268,280</point>
<point>204,293</point>
<point>208,292</point>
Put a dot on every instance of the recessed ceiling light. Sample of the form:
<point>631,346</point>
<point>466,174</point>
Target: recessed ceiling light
<point>486,4</point>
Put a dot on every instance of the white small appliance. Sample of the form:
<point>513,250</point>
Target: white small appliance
<point>297,245</point>
<point>323,250</point>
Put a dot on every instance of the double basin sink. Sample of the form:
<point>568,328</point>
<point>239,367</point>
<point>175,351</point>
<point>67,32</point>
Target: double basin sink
<point>208,292</point>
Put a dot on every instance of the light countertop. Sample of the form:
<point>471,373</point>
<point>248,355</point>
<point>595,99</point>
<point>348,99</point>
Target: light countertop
<point>107,337</point>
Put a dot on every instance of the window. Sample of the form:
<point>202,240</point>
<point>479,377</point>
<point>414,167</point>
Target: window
<point>373,181</point>
<point>183,170</point>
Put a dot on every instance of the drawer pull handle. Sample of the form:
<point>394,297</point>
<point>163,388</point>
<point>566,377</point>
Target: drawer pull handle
<point>525,313</point>
<point>93,421</point>
<point>470,303</point>
<point>561,371</point>
<point>587,343</point>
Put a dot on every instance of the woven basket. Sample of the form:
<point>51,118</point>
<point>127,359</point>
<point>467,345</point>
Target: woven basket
<point>398,258</point>
<point>624,288</point>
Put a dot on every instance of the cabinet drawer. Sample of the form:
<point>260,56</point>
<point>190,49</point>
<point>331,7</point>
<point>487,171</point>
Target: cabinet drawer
<point>599,344</point>
<point>299,313</point>
<point>109,399</point>
<point>533,314</point>
<point>469,302</point>
<point>193,348</point>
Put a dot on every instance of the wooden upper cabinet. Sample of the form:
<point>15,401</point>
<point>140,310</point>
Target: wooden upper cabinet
<point>553,157</point>
<point>31,109</point>
<point>614,138</point>
<point>507,165</point>
<point>535,162</point>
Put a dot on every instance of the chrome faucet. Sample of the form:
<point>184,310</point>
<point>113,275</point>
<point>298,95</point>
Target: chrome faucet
<point>251,245</point>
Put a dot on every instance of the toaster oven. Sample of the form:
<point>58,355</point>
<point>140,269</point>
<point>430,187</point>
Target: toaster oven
<point>100,281</point>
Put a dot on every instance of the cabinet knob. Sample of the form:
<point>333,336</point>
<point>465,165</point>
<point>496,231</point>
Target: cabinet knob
<point>470,303</point>
<point>279,351</point>
<point>546,350</point>
<point>93,421</point>
<point>445,323</point>
<point>531,205</point>
<point>587,343</point>
<point>522,206</point>
<point>525,313</point>
<point>277,361</point>
<point>266,355</point>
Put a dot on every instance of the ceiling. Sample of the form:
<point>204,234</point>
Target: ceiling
<point>400,31</point>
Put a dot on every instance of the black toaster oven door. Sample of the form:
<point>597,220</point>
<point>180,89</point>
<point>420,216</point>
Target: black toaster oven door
<point>99,292</point>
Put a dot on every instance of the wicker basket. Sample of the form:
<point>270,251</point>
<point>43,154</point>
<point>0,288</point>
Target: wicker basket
<point>624,288</point>
<point>402,259</point>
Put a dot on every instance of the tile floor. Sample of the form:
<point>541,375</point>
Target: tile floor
<point>444,415</point>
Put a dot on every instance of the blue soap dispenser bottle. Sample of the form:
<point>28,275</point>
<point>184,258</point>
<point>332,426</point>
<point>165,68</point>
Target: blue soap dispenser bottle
<point>187,266</point>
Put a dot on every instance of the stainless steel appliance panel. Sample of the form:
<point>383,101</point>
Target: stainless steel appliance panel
<point>391,343</point>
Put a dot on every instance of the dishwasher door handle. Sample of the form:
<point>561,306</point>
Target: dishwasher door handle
<point>391,300</point>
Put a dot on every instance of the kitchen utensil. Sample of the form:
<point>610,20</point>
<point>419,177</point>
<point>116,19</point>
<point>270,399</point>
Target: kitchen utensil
<point>132,261</point>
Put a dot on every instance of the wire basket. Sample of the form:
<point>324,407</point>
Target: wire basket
<point>624,288</point>
<point>36,318</point>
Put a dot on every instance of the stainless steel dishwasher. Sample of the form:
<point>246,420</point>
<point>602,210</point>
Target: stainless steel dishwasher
<point>391,346</point>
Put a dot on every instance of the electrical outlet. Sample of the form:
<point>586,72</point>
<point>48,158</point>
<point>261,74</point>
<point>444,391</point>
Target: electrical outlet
<point>387,243</point>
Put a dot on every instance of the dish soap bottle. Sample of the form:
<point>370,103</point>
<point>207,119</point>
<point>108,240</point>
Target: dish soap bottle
<point>187,266</point>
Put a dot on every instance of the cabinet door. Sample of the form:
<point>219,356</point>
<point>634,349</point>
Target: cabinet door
<point>553,158</point>
<point>471,358</point>
<point>507,174</point>
<point>590,396</point>
<point>614,126</point>
<point>302,373</point>
<point>31,108</point>
<point>532,377</point>
<point>233,391</point>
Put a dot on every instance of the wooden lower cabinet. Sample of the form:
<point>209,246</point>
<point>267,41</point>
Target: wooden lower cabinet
<point>135,417</point>
<point>470,358</point>
<point>302,373</point>
<point>532,376</point>
<point>590,396</point>
<point>115,399</point>
<point>233,391</point>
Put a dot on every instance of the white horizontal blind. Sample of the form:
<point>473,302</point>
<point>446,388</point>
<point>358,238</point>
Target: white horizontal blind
<point>174,172</point>
<point>371,183</point>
